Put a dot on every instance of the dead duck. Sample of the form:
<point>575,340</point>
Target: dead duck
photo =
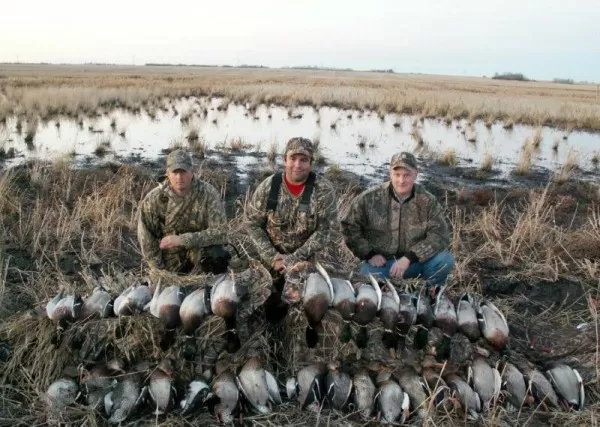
<point>413,386</point>
<point>165,305</point>
<point>98,304</point>
<point>407,314</point>
<point>425,315</point>
<point>514,385</point>
<point>368,302</point>
<point>388,313</point>
<point>226,397</point>
<point>445,313</point>
<point>133,300</point>
<point>467,317</point>
<point>99,380</point>
<point>538,385</point>
<point>463,393</point>
<point>194,308</point>
<point>338,384</point>
<point>318,296</point>
<point>252,383</point>
<point>61,393</point>
<point>568,384</point>
<point>492,324</point>
<point>225,295</point>
<point>393,403</point>
<point>309,387</point>
<point>344,300</point>
<point>161,387</point>
<point>364,393</point>
<point>485,381</point>
<point>126,397</point>
<point>436,388</point>
<point>64,308</point>
<point>195,396</point>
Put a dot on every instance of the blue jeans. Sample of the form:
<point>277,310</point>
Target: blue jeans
<point>435,270</point>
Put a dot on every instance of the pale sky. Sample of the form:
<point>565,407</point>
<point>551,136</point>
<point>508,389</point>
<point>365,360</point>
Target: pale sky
<point>541,39</point>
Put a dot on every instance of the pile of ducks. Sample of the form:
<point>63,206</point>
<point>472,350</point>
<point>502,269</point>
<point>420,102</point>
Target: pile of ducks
<point>174,305</point>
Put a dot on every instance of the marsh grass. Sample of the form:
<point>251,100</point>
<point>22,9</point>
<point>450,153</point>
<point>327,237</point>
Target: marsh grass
<point>568,168</point>
<point>447,158</point>
<point>102,147</point>
<point>536,138</point>
<point>525,160</point>
<point>272,152</point>
<point>487,162</point>
<point>417,136</point>
<point>528,237</point>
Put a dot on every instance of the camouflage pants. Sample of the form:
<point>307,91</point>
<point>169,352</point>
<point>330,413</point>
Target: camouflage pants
<point>211,259</point>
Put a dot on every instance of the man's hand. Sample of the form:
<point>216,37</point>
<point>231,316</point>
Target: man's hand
<point>377,261</point>
<point>278,265</point>
<point>170,242</point>
<point>399,267</point>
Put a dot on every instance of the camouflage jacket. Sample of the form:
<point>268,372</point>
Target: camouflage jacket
<point>287,230</point>
<point>377,223</point>
<point>199,217</point>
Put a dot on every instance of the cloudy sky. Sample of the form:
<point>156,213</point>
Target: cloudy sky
<point>541,39</point>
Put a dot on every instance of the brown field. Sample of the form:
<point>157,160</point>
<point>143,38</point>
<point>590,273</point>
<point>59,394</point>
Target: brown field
<point>53,90</point>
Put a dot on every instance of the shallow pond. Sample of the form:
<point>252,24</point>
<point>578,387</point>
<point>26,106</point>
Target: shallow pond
<point>357,140</point>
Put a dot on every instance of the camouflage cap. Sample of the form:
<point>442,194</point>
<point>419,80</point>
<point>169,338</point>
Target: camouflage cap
<point>404,160</point>
<point>299,146</point>
<point>179,159</point>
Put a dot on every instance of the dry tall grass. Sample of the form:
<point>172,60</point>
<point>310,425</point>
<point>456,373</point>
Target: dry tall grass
<point>62,90</point>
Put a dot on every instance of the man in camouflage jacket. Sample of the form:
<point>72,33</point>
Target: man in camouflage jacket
<point>398,228</point>
<point>182,222</point>
<point>290,233</point>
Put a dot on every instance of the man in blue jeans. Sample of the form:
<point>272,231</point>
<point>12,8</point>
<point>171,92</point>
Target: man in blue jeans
<point>398,228</point>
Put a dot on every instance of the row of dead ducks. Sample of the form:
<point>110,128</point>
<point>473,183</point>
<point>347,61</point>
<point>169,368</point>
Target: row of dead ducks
<point>171,304</point>
<point>389,394</point>
<point>398,311</point>
<point>317,292</point>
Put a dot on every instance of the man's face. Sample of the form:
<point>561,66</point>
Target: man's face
<point>297,168</point>
<point>403,180</point>
<point>180,180</point>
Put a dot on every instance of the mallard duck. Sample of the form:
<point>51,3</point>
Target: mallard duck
<point>252,383</point>
<point>388,313</point>
<point>467,317</point>
<point>126,397</point>
<point>485,380</point>
<point>225,400</point>
<point>224,299</point>
<point>413,385</point>
<point>64,308</point>
<point>514,383</point>
<point>165,305</point>
<point>338,386</point>
<point>538,385</point>
<point>161,387</point>
<point>425,315</point>
<point>368,302</point>
<point>318,296</point>
<point>468,399</point>
<point>436,388</point>
<point>492,324</point>
<point>194,308</point>
<point>309,388</point>
<point>133,300</point>
<point>344,300</point>
<point>196,394</point>
<point>364,393</point>
<point>99,380</point>
<point>445,313</point>
<point>407,314</point>
<point>99,303</point>
<point>393,403</point>
<point>568,385</point>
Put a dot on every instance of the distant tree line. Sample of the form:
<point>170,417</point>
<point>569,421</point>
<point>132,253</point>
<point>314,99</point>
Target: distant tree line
<point>510,76</point>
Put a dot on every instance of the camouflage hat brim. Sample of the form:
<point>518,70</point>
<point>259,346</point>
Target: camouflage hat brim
<point>403,165</point>
<point>299,151</point>
<point>181,166</point>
